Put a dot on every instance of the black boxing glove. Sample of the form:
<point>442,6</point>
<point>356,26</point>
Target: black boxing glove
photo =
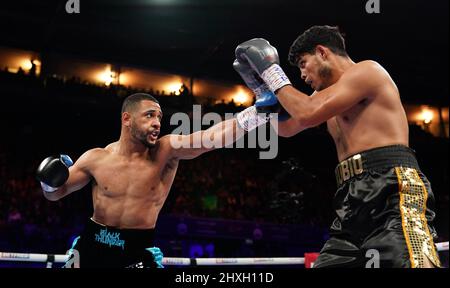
<point>53,172</point>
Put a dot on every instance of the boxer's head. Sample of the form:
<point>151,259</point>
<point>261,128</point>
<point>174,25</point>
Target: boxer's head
<point>313,53</point>
<point>141,115</point>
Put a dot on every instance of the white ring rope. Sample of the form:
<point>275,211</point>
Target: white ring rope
<point>175,261</point>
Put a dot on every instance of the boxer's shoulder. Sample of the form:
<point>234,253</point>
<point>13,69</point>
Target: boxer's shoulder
<point>98,152</point>
<point>368,62</point>
<point>165,143</point>
<point>94,155</point>
<point>164,146</point>
<point>110,148</point>
<point>369,68</point>
<point>366,74</point>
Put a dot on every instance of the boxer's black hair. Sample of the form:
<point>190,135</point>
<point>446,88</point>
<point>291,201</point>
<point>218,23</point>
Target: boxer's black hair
<point>327,36</point>
<point>131,102</point>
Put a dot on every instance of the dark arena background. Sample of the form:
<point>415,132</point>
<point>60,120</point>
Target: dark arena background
<point>66,66</point>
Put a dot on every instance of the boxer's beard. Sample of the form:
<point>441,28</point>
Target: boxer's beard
<point>141,136</point>
<point>325,76</point>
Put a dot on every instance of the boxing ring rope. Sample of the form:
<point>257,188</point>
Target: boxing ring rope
<point>175,261</point>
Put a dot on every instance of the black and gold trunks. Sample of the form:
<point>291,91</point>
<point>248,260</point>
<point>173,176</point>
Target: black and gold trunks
<point>384,210</point>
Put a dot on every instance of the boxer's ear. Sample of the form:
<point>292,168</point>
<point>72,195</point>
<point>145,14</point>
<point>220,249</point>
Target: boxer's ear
<point>126,119</point>
<point>322,52</point>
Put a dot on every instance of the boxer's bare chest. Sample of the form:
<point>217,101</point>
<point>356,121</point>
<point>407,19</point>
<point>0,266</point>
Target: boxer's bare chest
<point>117,176</point>
<point>345,127</point>
<point>337,127</point>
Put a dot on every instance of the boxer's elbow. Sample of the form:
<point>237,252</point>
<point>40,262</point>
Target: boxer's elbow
<point>285,133</point>
<point>281,128</point>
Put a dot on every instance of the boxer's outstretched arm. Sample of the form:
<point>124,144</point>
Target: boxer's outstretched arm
<point>79,177</point>
<point>197,143</point>
<point>355,85</point>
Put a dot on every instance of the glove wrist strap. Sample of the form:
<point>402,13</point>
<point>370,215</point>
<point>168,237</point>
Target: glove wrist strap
<point>275,77</point>
<point>250,119</point>
<point>47,188</point>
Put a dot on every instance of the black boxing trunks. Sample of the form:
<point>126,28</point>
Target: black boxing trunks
<point>384,212</point>
<point>109,247</point>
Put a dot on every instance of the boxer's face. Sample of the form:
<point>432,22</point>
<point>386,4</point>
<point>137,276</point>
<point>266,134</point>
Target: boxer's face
<point>315,70</point>
<point>146,123</point>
